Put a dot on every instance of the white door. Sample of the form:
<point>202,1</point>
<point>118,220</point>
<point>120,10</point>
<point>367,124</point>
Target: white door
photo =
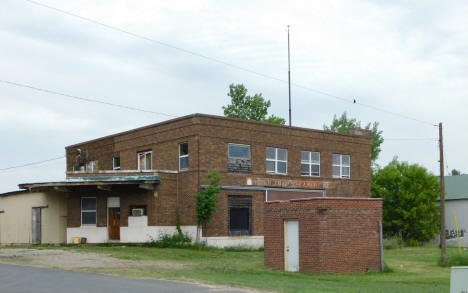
<point>291,253</point>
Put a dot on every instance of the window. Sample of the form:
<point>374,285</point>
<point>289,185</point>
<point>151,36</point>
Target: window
<point>88,211</point>
<point>341,166</point>
<point>310,163</point>
<point>239,160</point>
<point>183,156</point>
<point>240,211</point>
<point>92,166</point>
<point>276,160</point>
<point>145,161</point>
<point>137,211</point>
<point>116,163</point>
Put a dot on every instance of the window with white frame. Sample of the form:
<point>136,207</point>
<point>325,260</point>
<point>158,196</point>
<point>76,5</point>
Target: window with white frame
<point>341,166</point>
<point>183,156</point>
<point>145,161</point>
<point>276,160</point>
<point>116,163</point>
<point>310,163</point>
<point>88,211</point>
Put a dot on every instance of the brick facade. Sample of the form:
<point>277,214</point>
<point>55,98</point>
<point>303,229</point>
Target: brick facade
<point>208,138</point>
<point>336,235</point>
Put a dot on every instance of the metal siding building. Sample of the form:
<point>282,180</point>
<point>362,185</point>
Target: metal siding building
<point>456,200</point>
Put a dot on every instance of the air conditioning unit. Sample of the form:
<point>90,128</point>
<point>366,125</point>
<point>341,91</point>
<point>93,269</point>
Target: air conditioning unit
<point>138,212</point>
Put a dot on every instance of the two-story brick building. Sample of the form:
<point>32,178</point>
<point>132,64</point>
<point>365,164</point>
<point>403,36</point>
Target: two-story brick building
<point>130,186</point>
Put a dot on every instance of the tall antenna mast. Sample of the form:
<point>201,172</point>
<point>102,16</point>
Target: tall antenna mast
<point>289,80</point>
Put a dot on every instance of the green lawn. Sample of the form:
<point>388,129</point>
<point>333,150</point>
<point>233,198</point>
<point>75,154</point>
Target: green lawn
<point>414,270</point>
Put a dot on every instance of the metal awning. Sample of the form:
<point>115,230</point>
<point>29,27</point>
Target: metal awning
<point>95,181</point>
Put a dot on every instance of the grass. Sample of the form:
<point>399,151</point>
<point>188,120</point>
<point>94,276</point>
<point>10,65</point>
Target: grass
<point>413,270</point>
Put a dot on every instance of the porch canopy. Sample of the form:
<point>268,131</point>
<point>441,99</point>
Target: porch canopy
<point>103,182</point>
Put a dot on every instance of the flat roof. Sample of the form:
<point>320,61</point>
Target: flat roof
<point>214,117</point>
<point>102,180</point>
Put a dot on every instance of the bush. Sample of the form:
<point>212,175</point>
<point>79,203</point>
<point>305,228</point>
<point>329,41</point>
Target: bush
<point>457,259</point>
<point>393,242</point>
<point>242,248</point>
<point>171,241</point>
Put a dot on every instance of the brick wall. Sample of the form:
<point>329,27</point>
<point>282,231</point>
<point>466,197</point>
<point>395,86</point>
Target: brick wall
<point>208,138</point>
<point>336,235</point>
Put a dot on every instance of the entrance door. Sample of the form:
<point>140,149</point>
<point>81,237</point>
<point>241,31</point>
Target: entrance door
<point>114,223</point>
<point>291,245</point>
<point>36,225</point>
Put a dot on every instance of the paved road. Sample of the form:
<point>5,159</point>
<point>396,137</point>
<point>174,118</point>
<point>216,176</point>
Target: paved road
<point>23,279</point>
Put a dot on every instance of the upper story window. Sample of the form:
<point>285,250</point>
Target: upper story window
<point>239,158</point>
<point>276,160</point>
<point>116,163</point>
<point>88,211</point>
<point>341,166</point>
<point>310,163</point>
<point>92,166</point>
<point>183,156</point>
<point>145,161</point>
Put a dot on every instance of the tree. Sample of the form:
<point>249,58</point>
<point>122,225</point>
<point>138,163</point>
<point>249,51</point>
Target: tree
<point>248,107</point>
<point>206,200</point>
<point>455,172</point>
<point>344,124</point>
<point>410,195</point>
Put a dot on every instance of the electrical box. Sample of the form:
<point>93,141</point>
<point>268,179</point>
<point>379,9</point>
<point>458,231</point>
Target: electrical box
<point>459,280</point>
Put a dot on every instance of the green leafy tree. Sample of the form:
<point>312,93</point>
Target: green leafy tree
<point>343,124</point>
<point>455,172</point>
<point>410,195</point>
<point>248,107</point>
<point>206,200</point>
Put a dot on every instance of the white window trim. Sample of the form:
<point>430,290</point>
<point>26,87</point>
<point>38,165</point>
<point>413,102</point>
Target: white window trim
<point>113,163</point>
<point>182,156</point>
<point>276,161</point>
<point>144,154</point>
<point>341,165</point>
<point>310,163</point>
<point>242,145</point>
<point>81,213</point>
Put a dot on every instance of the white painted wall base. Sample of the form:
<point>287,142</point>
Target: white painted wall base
<point>227,241</point>
<point>93,234</point>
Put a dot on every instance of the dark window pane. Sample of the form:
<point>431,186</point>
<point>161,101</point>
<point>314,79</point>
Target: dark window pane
<point>148,161</point>
<point>316,157</point>
<point>305,156</point>
<point>184,163</point>
<point>336,171</point>
<point>336,159</point>
<point>88,204</point>
<point>183,149</point>
<point>270,153</point>
<point>270,166</point>
<point>283,154</point>
<point>315,170</point>
<point>116,162</point>
<point>346,172</point>
<point>88,218</point>
<point>282,167</point>
<point>305,169</point>
<point>239,151</point>
<point>239,219</point>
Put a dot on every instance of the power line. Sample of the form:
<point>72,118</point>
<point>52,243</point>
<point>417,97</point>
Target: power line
<point>81,98</point>
<point>32,163</point>
<point>142,37</point>
<point>409,138</point>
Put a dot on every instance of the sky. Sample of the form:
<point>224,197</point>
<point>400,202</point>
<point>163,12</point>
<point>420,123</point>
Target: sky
<point>407,57</point>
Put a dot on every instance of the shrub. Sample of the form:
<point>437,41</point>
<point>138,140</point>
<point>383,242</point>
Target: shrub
<point>393,242</point>
<point>170,241</point>
<point>457,259</point>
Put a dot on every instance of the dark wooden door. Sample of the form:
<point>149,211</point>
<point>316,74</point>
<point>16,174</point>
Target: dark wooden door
<point>114,223</point>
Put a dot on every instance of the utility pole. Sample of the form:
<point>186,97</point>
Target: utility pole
<point>289,80</point>
<point>443,245</point>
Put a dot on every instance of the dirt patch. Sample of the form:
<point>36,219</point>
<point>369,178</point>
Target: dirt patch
<point>74,260</point>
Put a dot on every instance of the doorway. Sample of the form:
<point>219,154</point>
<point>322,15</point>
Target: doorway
<point>36,225</point>
<point>114,223</point>
<point>291,245</point>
